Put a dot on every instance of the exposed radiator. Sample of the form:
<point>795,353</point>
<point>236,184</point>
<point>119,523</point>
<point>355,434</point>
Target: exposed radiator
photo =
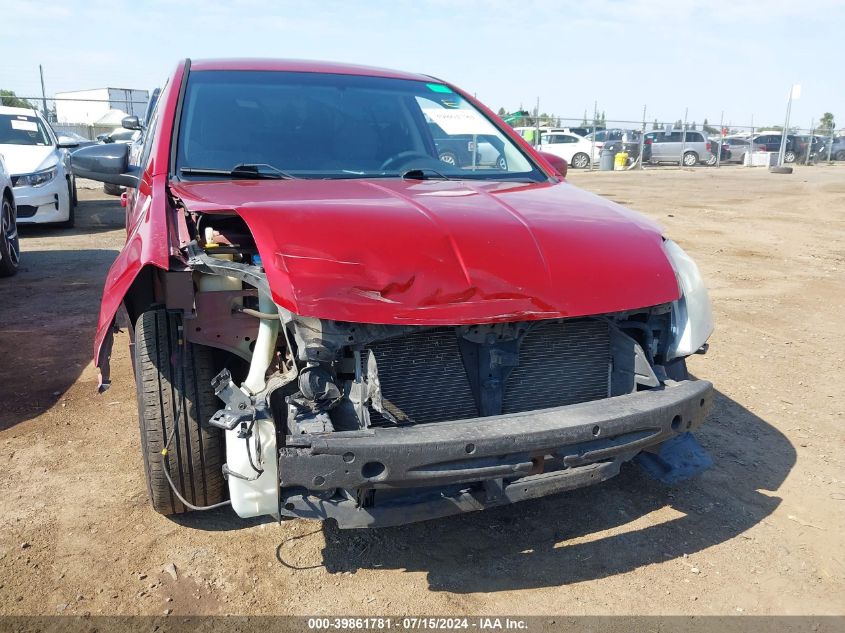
<point>559,364</point>
<point>423,377</point>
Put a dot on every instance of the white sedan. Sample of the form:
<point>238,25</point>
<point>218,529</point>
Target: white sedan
<point>10,250</point>
<point>576,150</point>
<point>44,186</point>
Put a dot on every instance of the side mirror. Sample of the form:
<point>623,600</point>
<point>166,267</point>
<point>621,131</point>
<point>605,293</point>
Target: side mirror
<point>558,164</point>
<point>65,142</point>
<point>105,163</point>
<point>131,123</point>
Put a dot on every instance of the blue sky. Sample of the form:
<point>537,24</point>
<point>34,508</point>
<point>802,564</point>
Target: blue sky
<point>714,55</point>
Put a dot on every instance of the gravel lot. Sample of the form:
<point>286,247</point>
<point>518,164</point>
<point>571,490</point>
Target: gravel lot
<point>760,533</point>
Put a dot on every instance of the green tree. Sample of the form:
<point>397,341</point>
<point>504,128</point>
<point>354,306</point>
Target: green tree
<point>584,120</point>
<point>827,124</point>
<point>10,99</point>
<point>502,112</point>
<point>655,125</point>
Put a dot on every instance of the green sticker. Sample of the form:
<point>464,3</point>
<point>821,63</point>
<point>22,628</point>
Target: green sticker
<point>438,88</point>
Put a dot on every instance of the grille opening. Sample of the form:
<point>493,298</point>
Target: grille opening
<point>423,376</point>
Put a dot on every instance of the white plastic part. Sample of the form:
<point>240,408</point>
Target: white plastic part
<point>265,346</point>
<point>211,283</point>
<point>692,315</point>
<point>261,496</point>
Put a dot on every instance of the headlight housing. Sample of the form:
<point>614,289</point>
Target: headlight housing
<point>692,315</point>
<point>35,179</point>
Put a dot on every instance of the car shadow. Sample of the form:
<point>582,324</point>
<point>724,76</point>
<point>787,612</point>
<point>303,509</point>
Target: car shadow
<point>49,311</point>
<point>612,528</point>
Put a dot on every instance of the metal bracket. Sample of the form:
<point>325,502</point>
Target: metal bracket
<point>239,406</point>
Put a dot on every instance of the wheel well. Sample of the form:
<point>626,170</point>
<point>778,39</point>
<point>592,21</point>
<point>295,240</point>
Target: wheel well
<point>143,293</point>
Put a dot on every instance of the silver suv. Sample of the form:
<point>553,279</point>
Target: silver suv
<point>669,146</point>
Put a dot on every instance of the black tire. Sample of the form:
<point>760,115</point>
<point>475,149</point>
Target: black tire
<point>112,190</point>
<point>780,170</point>
<point>175,380</point>
<point>71,208</point>
<point>789,156</point>
<point>690,159</point>
<point>840,155</point>
<point>10,246</point>
<point>74,194</point>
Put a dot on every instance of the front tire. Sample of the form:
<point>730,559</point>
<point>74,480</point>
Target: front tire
<point>173,379</point>
<point>10,249</point>
<point>71,207</point>
<point>789,156</point>
<point>580,161</point>
<point>112,190</point>
<point>690,159</point>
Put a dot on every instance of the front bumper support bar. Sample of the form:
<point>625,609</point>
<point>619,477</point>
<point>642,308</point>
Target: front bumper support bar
<point>432,470</point>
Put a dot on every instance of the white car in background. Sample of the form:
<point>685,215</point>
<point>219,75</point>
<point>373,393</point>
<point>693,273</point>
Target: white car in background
<point>44,186</point>
<point>10,250</point>
<point>576,150</point>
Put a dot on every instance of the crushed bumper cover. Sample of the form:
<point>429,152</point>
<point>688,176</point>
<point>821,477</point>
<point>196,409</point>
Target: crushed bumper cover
<point>434,470</point>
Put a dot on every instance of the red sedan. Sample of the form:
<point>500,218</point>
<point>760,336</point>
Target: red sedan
<point>329,321</point>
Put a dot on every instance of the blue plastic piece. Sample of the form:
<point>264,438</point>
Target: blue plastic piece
<point>256,260</point>
<point>679,458</point>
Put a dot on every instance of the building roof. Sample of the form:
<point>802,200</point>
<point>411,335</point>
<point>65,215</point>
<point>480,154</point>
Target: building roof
<point>11,110</point>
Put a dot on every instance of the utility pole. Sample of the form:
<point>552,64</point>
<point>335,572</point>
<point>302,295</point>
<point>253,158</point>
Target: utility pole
<point>794,92</point>
<point>537,124</point>
<point>43,94</point>
<point>684,137</point>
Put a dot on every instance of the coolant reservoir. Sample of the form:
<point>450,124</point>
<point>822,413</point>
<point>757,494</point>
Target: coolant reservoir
<point>259,497</point>
<point>211,283</point>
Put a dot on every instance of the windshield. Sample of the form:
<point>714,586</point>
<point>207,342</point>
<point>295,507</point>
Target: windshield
<point>311,125</point>
<point>23,129</point>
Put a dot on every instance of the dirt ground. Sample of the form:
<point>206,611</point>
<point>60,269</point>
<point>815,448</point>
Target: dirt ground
<point>759,533</point>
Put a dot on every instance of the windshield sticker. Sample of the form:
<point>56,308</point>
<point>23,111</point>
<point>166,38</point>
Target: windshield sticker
<point>28,126</point>
<point>438,88</point>
<point>460,121</point>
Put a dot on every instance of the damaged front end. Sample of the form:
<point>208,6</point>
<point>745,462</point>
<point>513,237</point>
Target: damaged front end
<point>375,425</point>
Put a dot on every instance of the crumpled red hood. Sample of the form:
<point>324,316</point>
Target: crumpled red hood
<point>444,252</point>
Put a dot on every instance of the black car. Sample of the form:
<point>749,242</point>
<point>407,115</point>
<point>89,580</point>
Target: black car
<point>837,150</point>
<point>770,142</point>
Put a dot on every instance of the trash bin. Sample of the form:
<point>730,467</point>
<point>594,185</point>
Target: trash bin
<point>606,160</point>
<point>620,161</point>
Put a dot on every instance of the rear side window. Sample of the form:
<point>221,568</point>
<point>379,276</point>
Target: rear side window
<point>694,137</point>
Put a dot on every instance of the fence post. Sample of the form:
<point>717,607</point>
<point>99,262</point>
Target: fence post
<point>721,139</point>
<point>684,139</point>
<point>593,135</point>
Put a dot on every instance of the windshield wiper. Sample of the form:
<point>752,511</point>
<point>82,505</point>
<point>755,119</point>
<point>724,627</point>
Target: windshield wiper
<point>256,171</point>
<point>424,173</point>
